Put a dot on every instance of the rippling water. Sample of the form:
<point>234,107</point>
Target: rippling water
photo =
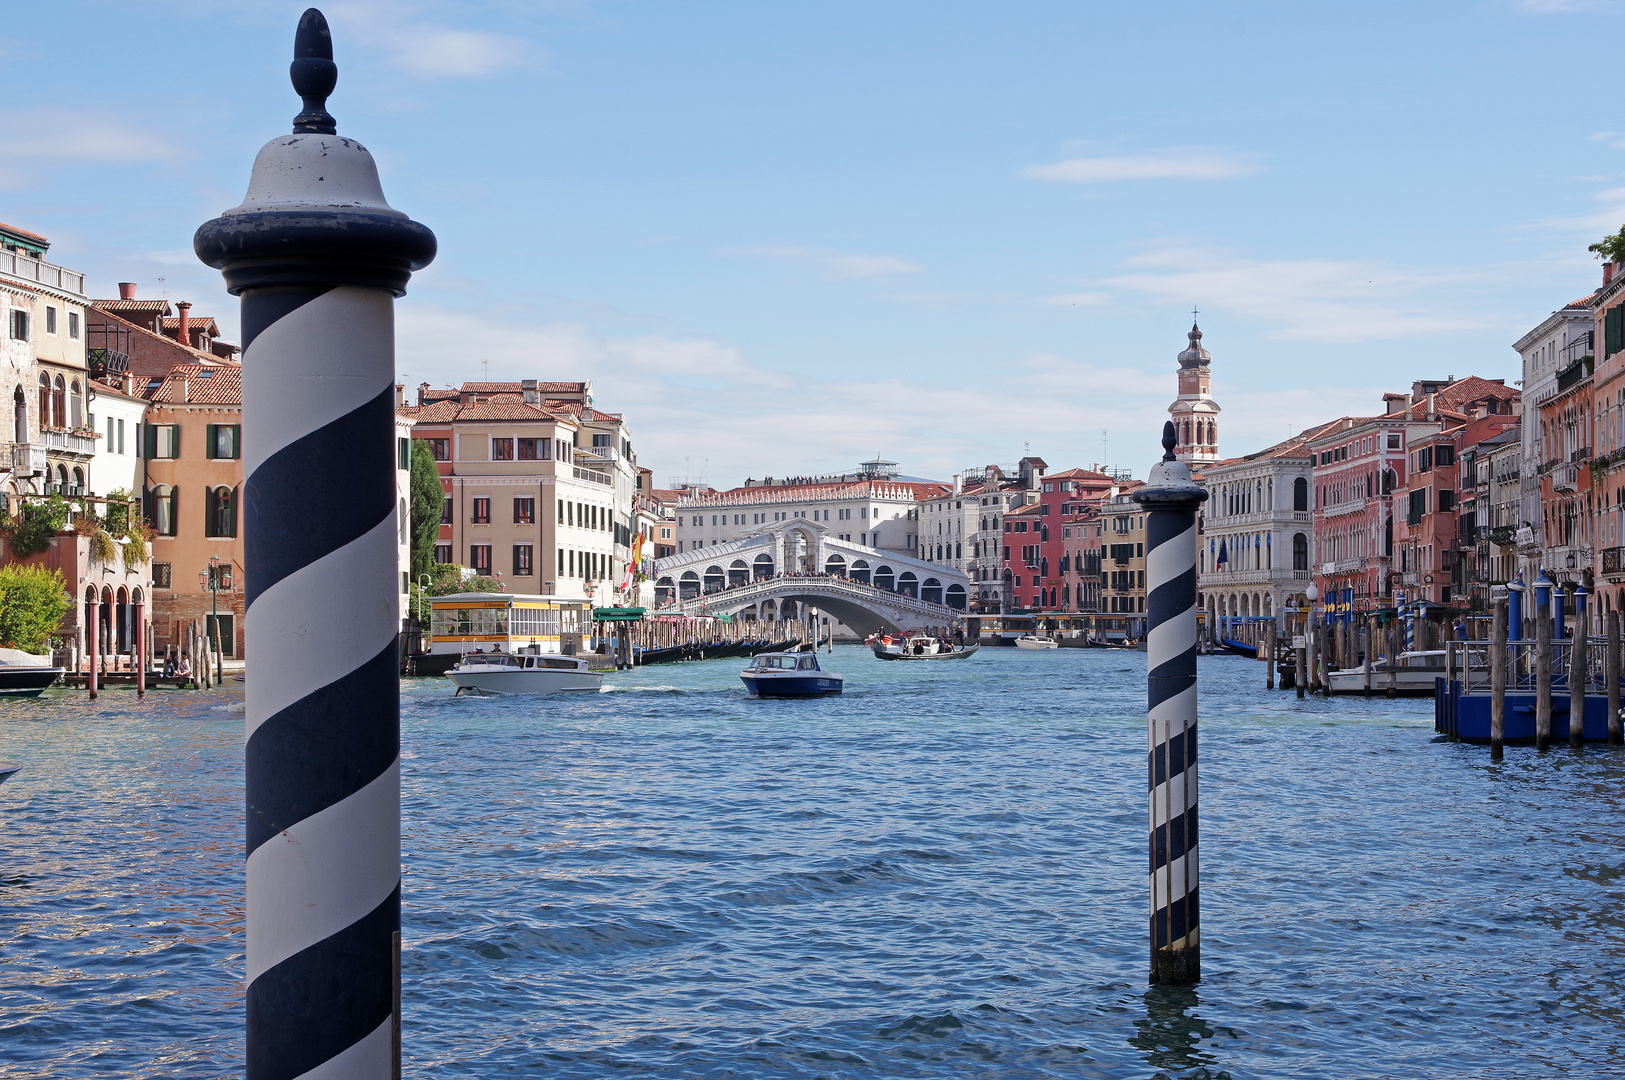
<point>939,874</point>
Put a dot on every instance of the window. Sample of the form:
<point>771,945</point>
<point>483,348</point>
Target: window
<point>120,436</point>
<point>225,441</point>
<point>50,319</point>
<point>109,434</point>
<point>1393,442</point>
<point>501,449</point>
<point>533,449</point>
<point>403,454</point>
<point>1444,455</point>
<point>439,449</point>
<point>442,553</point>
<point>1424,459</point>
<point>1300,495</point>
<point>163,441</point>
<point>446,512</point>
<point>524,511</point>
<point>73,325</point>
<point>403,519</point>
<point>220,512</point>
<point>479,557</point>
<point>59,403</point>
<point>1418,506</point>
<point>19,324</point>
<point>600,441</point>
<point>76,406</point>
<point>482,516</point>
<point>161,506</point>
<point>1447,499</point>
<point>522,560</point>
<point>160,575</point>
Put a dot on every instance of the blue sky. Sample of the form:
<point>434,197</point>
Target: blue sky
<point>784,237</point>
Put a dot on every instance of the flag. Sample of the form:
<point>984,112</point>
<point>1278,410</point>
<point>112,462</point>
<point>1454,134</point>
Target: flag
<point>1223,557</point>
<point>632,563</point>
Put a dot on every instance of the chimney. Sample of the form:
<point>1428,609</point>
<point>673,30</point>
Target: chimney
<point>1433,406</point>
<point>529,391</point>
<point>1607,273</point>
<point>400,394</point>
<point>423,390</point>
<point>186,388</point>
<point>957,483</point>
<point>126,290</point>
<point>183,332</point>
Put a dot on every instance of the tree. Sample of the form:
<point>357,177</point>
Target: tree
<point>1611,248</point>
<point>427,498</point>
<point>32,603</point>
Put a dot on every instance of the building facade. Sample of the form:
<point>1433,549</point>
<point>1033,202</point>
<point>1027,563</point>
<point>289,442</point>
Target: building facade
<point>1194,413</point>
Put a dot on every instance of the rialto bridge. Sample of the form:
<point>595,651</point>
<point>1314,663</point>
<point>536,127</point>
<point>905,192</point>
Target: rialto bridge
<point>799,563</point>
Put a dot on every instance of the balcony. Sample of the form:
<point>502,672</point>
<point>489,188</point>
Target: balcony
<point>594,477</point>
<point>28,268</point>
<point>68,442</point>
<point>27,459</point>
<point>1564,478</point>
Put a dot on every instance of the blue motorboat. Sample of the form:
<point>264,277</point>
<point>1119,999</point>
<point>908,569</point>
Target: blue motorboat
<point>783,675</point>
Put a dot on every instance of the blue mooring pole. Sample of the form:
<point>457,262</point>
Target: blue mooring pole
<point>1171,500</point>
<point>317,257</point>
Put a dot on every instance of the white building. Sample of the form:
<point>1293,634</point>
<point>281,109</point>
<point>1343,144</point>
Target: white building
<point>116,417</point>
<point>870,508</point>
<point>1194,413</point>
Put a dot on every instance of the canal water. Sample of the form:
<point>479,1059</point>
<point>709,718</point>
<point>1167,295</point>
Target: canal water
<point>941,873</point>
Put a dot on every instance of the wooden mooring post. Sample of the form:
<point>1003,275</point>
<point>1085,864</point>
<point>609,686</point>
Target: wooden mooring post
<point>1498,680</point>
<point>1577,672</point>
<point>1610,675</point>
<point>1543,676</point>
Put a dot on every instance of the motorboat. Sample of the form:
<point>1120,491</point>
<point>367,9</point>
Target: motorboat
<point>1033,641</point>
<point>920,647</point>
<point>797,674</point>
<point>1414,675</point>
<point>26,680</point>
<point>523,673</point>
<point>6,769</point>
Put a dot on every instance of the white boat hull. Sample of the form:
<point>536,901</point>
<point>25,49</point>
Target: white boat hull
<point>1405,681</point>
<point>1036,643</point>
<point>531,681</point>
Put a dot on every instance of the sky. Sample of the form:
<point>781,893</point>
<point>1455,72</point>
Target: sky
<point>785,237</point>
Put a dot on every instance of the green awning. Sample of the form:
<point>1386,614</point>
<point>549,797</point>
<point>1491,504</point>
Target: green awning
<point>617,614</point>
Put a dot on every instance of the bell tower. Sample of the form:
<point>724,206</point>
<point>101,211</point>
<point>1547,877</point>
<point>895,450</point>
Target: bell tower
<point>1195,414</point>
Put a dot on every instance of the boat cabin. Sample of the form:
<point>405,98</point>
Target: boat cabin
<point>503,623</point>
<point>785,662</point>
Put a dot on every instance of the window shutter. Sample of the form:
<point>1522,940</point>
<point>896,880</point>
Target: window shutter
<point>208,512</point>
<point>175,440</point>
<point>146,505</point>
<point>212,436</point>
<point>236,443</point>
<point>1614,330</point>
<point>149,447</point>
<point>174,511</point>
<point>231,525</point>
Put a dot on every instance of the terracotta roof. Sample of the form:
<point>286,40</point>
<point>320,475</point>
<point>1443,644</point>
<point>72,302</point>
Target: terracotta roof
<point>450,411</point>
<point>25,232</point>
<point>1584,301</point>
<point>1295,446</point>
<point>1079,474</point>
<point>514,387</point>
<point>131,305</point>
<point>1030,509</point>
<point>196,322</point>
<point>197,384</point>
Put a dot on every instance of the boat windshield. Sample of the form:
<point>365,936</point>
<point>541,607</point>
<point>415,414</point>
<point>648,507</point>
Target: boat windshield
<point>492,660</point>
<point>778,662</point>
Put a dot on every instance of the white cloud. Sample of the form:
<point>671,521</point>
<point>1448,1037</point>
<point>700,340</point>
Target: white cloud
<point>837,264</point>
<point>1562,7</point>
<point>1325,300</point>
<point>38,139</point>
<point>429,49</point>
<point>1611,138</point>
<point>1156,165</point>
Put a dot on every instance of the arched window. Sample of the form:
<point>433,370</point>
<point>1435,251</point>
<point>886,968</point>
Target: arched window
<point>1388,481</point>
<point>161,510</point>
<point>79,481</point>
<point>19,416</point>
<point>931,590</point>
<point>885,578</point>
<point>665,591</point>
<point>688,586</point>
<point>1300,552</point>
<point>956,597</point>
<point>44,400</point>
<point>220,512</point>
<point>1300,495</point>
<point>860,570</point>
<point>835,565</point>
<point>714,578</point>
<point>738,572</point>
<point>59,403</point>
<point>762,565</point>
<point>76,405</point>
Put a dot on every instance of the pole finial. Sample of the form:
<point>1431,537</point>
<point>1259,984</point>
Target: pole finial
<point>314,74</point>
<point>1169,440</point>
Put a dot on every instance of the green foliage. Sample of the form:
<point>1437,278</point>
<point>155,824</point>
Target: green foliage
<point>447,578</point>
<point>1610,248</point>
<point>102,548</point>
<point>117,521</point>
<point>32,603</point>
<point>38,521</point>
<point>426,500</point>
<point>136,552</point>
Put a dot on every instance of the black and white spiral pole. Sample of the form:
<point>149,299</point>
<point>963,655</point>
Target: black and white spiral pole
<point>1171,500</point>
<point>318,257</point>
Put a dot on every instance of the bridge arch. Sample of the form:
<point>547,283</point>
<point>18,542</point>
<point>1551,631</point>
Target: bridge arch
<point>908,584</point>
<point>835,565</point>
<point>860,570</point>
<point>738,572</point>
<point>714,578</point>
<point>956,597</point>
<point>931,590</point>
<point>762,565</point>
<point>665,590</point>
<point>885,578</point>
<point>688,586</point>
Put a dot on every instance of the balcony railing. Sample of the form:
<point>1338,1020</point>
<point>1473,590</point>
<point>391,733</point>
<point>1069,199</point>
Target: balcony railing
<point>1564,477</point>
<point>17,264</point>
<point>68,442</point>
<point>1613,560</point>
<point>27,459</point>
<point>594,477</point>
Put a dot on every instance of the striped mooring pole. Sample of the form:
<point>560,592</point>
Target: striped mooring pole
<point>317,257</point>
<point>1171,500</point>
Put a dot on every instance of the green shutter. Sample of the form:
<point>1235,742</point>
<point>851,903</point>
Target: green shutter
<point>174,511</point>
<point>175,436</point>
<point>1613,325</point>
<point>211,444</point>
<point>236,444</point>
<point>149,448</point>
<point>232,524</point>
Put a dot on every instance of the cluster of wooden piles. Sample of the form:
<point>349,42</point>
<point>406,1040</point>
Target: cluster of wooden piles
<point>671,640</point>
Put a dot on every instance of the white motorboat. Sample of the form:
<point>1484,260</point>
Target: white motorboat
<point>504,673</point>
<point>1032,641</point>
<point>1414,675</point>
<point>920,647</point>
<point>6,770</point>
<point>777,675</point>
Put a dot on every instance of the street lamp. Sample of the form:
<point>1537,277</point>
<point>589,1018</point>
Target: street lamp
<point>210,579</point>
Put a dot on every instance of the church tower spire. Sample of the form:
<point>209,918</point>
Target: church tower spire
<point>1195,414</point>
